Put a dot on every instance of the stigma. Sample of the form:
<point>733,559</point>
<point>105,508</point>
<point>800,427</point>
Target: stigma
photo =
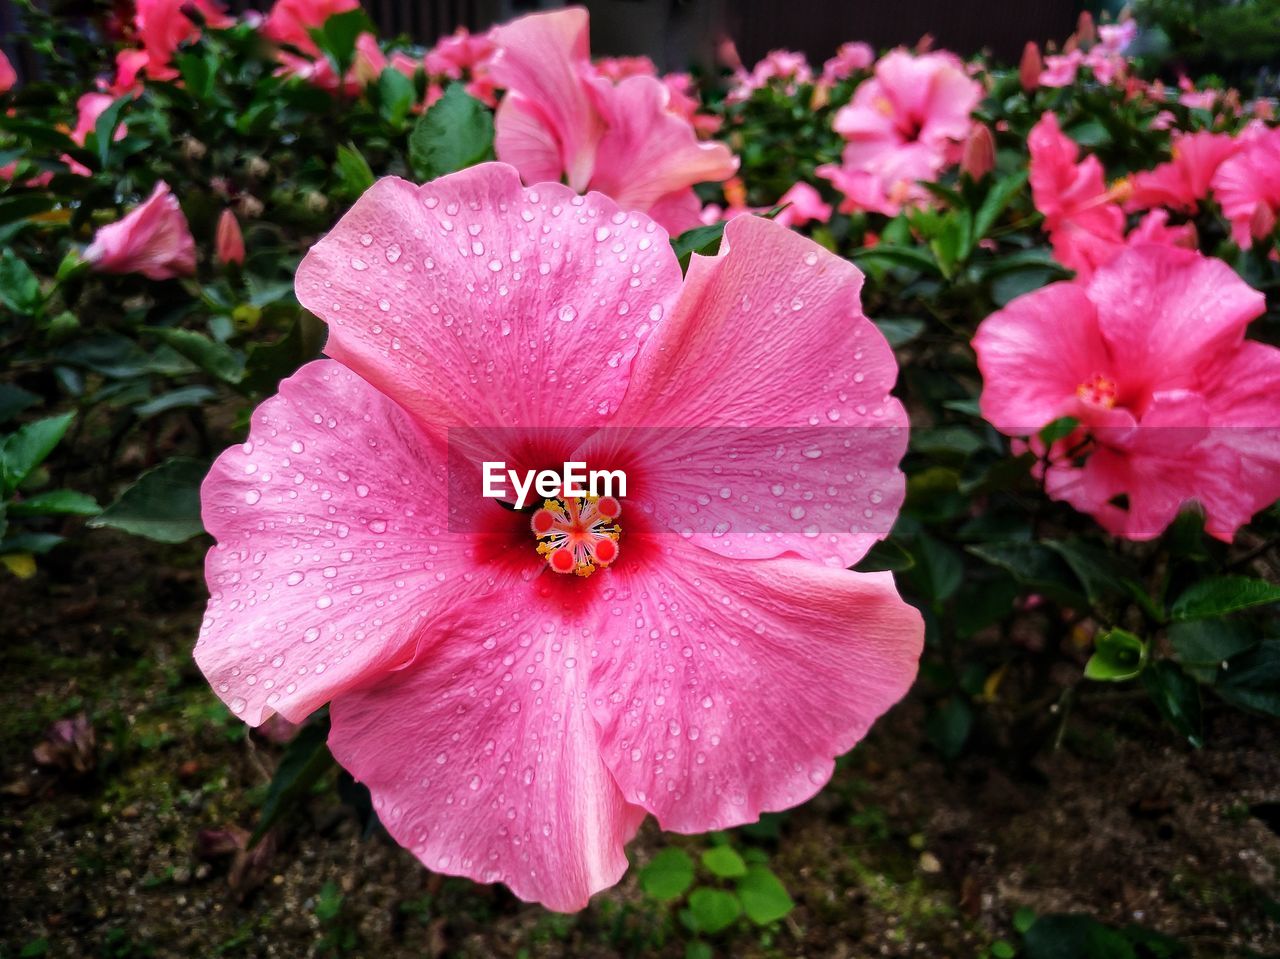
<point>578,535</point>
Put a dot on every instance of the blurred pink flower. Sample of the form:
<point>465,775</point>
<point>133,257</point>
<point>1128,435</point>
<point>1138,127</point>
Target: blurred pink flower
<point>229,241</point>
<point>1084,222</point>
<point>979,157</point>
<point>291,21</point>
<point>1184,181</point>
<point>366,67</point>
<point>1175,405</point>
<point>560,119</point>
<point>850,58</point>
<point>619,68</point>
<point>513,724</point>
<point>906,123</point>
<point>804,205</point>
<point>788,66</point>
<point>459,54</point>
<point>89,108</point>
<point>8,75</point>
<point>163,25</point>
<point>152,239</point>
<point>1247,187</point>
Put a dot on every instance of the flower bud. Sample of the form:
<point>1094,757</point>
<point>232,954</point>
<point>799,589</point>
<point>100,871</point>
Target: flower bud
<point>1031,66</point>
<point>1086,32</point>
<point>979,157</point>
<point>229,241</point>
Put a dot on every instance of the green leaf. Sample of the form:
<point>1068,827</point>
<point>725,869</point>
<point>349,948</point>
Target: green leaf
<point>900,331</point>
<point>456,132</point>
<point>938,568</point>
<point>1203,645</point>
<point>1033,565</point>
<point>26,449</point>
<point>1118,655</point>
<point>174,399</point>
<point>104,131</point>
<point>713,910</point>
<point>724,862</point>
<point>703,240</point>
<point>1075,937</point>
<point>764,898</point>
<point>884,254</point>
<point>269,363</point>
<point>1177,697</point>
<point>668,875</point>
<point>885,554</point>
<point>216,359</point>
<point>19,288</point>
<point>13,400</point>
<point>1059,429</point>
<point>353,169</point>
<point>163,505</point>
<point>64,502</point>
<point>948,726</point>
<point>1221,595</point>
<point>1251,680</point>
<point>396,94</point>
<point>1099,572</point>
<point>337,37</point>
<point>995,202</point>
<point>30,543</point>
<point>306,759</point>
<point>198,73</point>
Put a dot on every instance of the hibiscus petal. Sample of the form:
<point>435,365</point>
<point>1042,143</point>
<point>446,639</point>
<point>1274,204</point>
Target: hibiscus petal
<point>483,759</point>
<point>332,548</point>
<point>1170,313</point>
<point>647,151</point>
<point>729,687</point>
<point>540,59</point>
<point>768,353</point>
<point>1034,354</point>
<point>473,302</point>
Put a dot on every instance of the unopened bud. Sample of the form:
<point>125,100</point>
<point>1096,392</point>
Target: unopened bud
<point>1030,67</point>
<point>229,241</point>
<point>979,157</point>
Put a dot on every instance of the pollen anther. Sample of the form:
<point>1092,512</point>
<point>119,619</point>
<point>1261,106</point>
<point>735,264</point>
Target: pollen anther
<point>578,535</point>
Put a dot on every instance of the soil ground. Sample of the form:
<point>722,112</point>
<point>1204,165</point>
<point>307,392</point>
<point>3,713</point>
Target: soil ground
<point>902,855</point>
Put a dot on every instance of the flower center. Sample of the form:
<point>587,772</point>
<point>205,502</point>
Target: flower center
<point>1098,391</point>
<point>577,535</point>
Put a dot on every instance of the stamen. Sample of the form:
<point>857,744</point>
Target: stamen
<point>1099,391</point>
<point>578,535</point>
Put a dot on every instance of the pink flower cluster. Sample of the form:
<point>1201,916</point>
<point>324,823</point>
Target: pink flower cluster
<point>514,722</point>
<point>906,123</point>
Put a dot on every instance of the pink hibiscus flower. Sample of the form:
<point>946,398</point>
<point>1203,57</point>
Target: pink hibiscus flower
<point>1247,186</point>
<point>850,58</point>
<point>1084,223</point>
<point>559,118</point>
<point>1184,181</point>
<point>513,724</point>
<point>291,21</point>
<point>152,239</point>
<point>163,26</point>
<point>366,67</point>
<point>906,123</point>
<point>8,75</point>
<point>787,66</point>
<point>459,54</point>
<point>1175,405</point>
<point>803,204</point>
